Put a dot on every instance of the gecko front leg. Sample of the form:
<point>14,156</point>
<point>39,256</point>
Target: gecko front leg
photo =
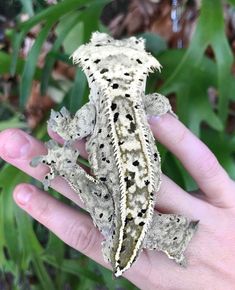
<point>73,128</point>
<point>157,105</point>
<point>62,161</point>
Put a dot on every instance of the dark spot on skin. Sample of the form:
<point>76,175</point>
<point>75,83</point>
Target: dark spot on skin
<point>129,182</point>
<point>103,159</point>
<point>113,106</point>
<point>144,73</point>
<point>178,220</point>
<point>141,224</point>
<point>136,163</point>
<point>88,68</point>
<point>108,136</point>
<point>104,70</point>
<point>136,41</point>
<point>97,61</point>
<point>123,248</point>
<point>108,80</point>
<point>118,261</point>
<point>124,236</point>
<point>144,210</point>
<point>101,146</point>
<point>137,106</point>
<point>43,161</point>
<point>146,182</point>
<point>90,75</point>
<point>120,142</point>
<point>103,179</point>
<point>115,117</point>
<point>151,194</point>
<point>46,177</point>
<point>101,215</point>
<point>110,218</point>
<point>86,59</point>
<point>97,194</point>
<point>126,74</point>
<point>115,86</point>
<point>106,197</point>
<point>175,238</point>
<point>68,161</point>
<point>129,117</point>
<point>127,95</point>
<point>107,161</point>
<point>128,219</point>
<point>140,214</point>
<point>132,174</point>
<point>141,80</point>
<point>139,61</point>
<point>98,45</point>
<point>132,127</point>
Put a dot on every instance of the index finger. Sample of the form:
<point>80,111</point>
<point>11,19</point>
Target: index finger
<point>196,158</point>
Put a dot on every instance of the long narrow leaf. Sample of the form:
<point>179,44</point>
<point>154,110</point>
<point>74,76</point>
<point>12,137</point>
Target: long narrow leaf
<point>30,66</point>
<point>50,59</point>
<point>53,12</point>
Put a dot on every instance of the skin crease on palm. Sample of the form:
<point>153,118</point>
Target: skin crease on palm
<point>211,253</point>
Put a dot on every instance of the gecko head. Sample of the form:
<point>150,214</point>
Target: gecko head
<point>102,39</point>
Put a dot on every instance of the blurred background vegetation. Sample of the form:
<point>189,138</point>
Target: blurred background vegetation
<point>194,41</point>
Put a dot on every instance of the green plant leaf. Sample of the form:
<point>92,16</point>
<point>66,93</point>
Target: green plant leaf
<point>192,97</point>
<point>77,95</point>
<point>50,58</point>
<point>30,65</point>
<point>53,13</point>
<point>28,7</point>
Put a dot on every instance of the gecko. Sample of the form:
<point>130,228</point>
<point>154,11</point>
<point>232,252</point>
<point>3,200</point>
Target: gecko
<point>121,192</point>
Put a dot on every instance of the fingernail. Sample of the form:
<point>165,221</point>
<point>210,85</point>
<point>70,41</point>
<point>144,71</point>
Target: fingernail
<point>153,119</point>
<point>16,145</point>
<point>23,194</point>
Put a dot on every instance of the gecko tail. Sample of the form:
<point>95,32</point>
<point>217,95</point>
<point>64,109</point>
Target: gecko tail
<point>171,234</point>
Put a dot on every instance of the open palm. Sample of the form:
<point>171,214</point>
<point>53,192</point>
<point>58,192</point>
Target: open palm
<point>211,253</point>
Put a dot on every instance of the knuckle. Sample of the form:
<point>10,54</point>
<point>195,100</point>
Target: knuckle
<point>210,166</point>
<point>82,237</point>
<point>42,211</point>
<point>180,136</point>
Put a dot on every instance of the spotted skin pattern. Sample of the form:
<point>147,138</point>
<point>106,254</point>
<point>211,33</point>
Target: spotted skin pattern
<point>122,153</point>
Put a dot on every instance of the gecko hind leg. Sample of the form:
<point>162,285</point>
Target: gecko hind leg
<point>157,105</point>
<point>171,234</point>
<point>62,161</point>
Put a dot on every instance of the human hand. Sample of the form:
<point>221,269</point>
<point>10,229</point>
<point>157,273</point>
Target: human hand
<point>210,254</point>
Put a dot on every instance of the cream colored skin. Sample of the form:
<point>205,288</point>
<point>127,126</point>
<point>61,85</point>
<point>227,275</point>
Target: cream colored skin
<point>122,153</point>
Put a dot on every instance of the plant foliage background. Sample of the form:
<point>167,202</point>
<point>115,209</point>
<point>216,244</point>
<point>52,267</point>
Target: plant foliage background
<point>199,79</point>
